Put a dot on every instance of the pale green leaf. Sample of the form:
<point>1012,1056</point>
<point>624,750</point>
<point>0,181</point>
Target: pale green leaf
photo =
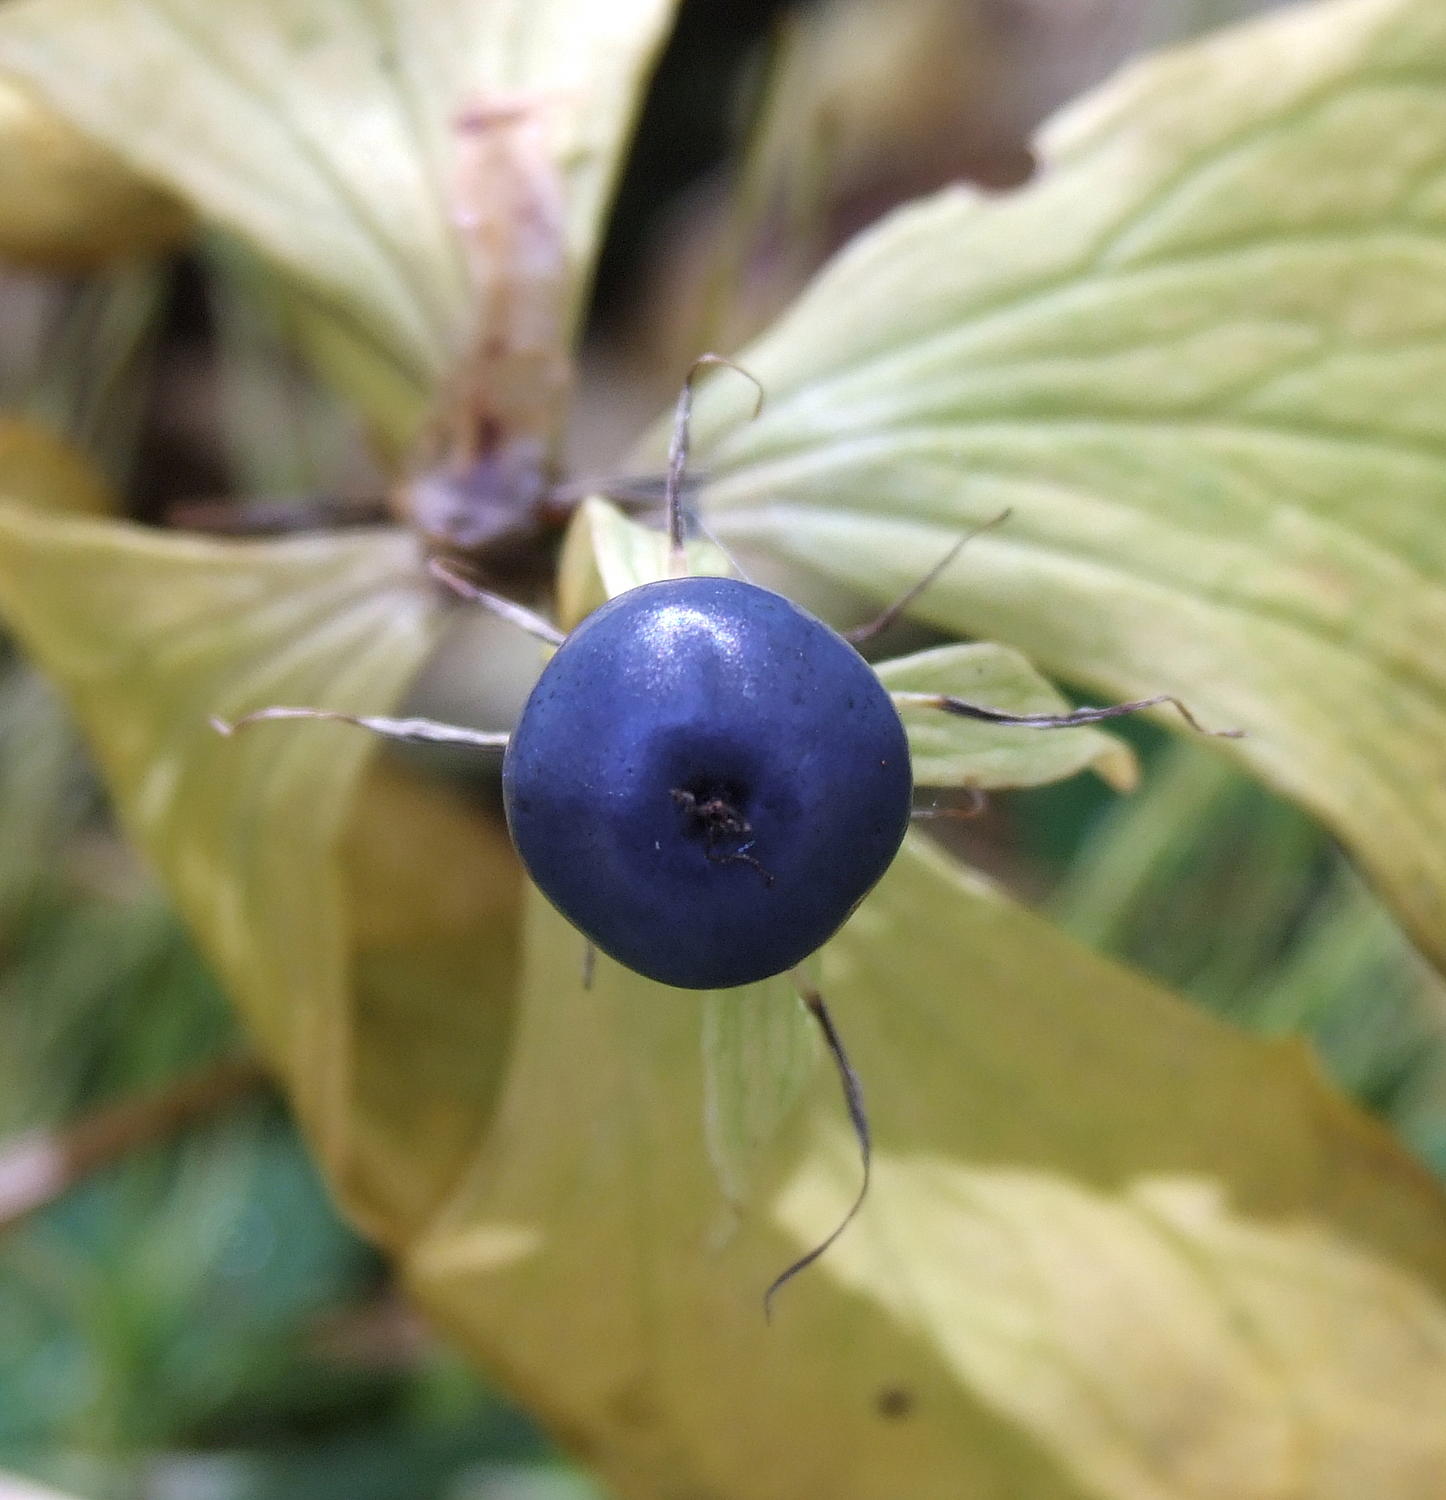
<point>322,131</point>
<point>365,929</point>
<point>759,1050</point>
<point>605,555</point>
<point>951,751</point>
<point>356,364</point>
<point>1203,357</point>
<point>283,433</point>
<point>579,1252</point>
<point>67,203</point>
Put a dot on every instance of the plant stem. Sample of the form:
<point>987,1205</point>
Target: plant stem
<point>37,1166</point>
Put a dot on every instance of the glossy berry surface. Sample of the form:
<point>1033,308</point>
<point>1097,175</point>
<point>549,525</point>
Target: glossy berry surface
<point>706,780</point>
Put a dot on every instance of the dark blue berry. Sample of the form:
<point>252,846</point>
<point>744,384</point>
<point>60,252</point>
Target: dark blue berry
<point>706,780</point>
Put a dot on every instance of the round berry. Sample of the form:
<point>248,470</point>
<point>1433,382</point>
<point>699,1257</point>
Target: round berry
<point>706,780</point>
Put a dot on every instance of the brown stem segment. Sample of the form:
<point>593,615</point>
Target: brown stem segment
<point>1071,720</point>
<point>853,1092</point>
<point>504,608</point>
<point>40,1165</point>
<point>678,456</point>
<point>278,517</point>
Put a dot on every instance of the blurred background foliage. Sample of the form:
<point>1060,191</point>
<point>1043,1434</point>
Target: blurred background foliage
<point>193,1322</point>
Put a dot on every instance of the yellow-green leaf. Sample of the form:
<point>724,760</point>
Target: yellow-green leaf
<point>952,751</point>
<point>365,929</point>
<point>759,1050</point>
<point>65,202</point>
<point>357,364</point>
<point>605,555</point>
<point>38,470</point>
<point>323,133</point>
<point>1203,357</point>
<point>1156,1341</point>
<point>587,1253</point>
<point>433,895</point>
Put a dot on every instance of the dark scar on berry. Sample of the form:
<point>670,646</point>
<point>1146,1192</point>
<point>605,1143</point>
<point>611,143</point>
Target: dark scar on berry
<point>716,819</point>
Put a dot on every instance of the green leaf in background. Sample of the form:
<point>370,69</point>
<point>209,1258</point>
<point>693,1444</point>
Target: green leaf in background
<point>283,432</point>
<point>1240,901</point>
<point>16,1488</point>
<point>1203,358</point>
<point>66,203</point>
<point>85,371</point>
<point>581,1253</point>
<point>951,751</point>
<point>322,134</point>
<point>40,801</point>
